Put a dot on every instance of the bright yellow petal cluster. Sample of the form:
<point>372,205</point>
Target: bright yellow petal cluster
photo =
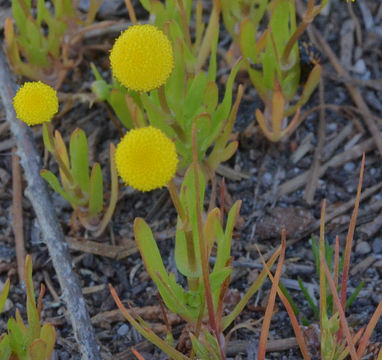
<point>146,159</point>
<point>35,103</point>
<point>142,58</point>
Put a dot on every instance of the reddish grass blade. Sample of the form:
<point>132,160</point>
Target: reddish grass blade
<point>349,239</point>
<point>137,354</point>
<point>340,309</point>
<point>292,316</point>
<point>271,301</point>
<point>369,329</point>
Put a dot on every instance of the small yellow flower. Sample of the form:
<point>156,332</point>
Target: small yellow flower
<point>146,159</point>
<point>35,103</point>
<point>142,58</point>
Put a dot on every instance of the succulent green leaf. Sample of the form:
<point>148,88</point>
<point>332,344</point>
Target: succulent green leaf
<point>222,112</point>
<point>48,334</point>
<point>32,313</point>
<point>187,240</point>
<point>5,349</point>
<point>52,180</point>
<point>79,159</point>
<point>16,339</point>
<point>154,265</point>
<point>211,96</point>
<point>4,294</point>
<point>146,4</point>
<point>37,350</point>
<point>194,97</point>
<point>118,103</point>
<point>247,40</point>
<point>19,16</point>
<point>224,242</point>
<point>96,191</point>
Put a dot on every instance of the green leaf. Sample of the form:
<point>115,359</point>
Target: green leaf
<point>5,349</point>
<point>154,265</point>
<point>146,4</point>
<point>224,242</point>
<point>52,180</point>
<point>211,96</point>
<point>247,40</point>
<point>218,277</point>
<point>194,98</point>
<point>48,334</point>
<point>222,112</point>
<point>20,17</point>
<point>311,303</point>
<point>118,103</point>
<point>96,191</point>
<point>16,339</point>
<point>32,313</point>
<point>354,295</point>
<point>187,240</point>
<point>37,350</point>
<point>4,294</point>
<point>79,159</point>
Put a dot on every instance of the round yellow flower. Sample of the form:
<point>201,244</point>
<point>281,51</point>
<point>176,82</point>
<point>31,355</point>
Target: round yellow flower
<point>146,159</point>
<point>142,58</point>
<point>35,103</point>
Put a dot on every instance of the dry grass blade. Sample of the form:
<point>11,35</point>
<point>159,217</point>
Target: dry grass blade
<point>368,331</point>
<point>340,309</point>
<point>271,302</point>
<point>17,215</point>
<point>292,316</point>
<point>349,239</point>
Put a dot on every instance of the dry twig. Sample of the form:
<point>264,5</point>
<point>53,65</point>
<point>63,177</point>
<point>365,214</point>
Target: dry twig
<point>50,228</point>
<point>17,215</point>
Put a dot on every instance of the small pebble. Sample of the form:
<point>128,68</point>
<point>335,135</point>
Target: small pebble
<point>377,246</point>
<point>349,167</point>
<point>362,248</point>
<point>123,330</point>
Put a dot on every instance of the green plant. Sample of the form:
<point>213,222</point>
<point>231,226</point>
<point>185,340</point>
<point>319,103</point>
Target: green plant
<point>82,190</point>
<point>202,304</point>
<point>329,251</point>
<point>31,341</point>
<point>40,48</point>
<point>272,60</point>
<point>190,95</point>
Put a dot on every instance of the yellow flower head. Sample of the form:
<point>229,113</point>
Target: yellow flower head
<point>142,58</point>
<point>146,159</point>
<point>35,103</point>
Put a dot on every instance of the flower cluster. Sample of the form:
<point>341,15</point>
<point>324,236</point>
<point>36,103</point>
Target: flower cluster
<point>146,159</point>
<point>142,58</point>
<point>35,103</point>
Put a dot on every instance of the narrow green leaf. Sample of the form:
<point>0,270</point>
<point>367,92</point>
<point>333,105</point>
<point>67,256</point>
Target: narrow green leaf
<point>311,303</point>
<point>96,191</point>
<point>247,40</point>
<point>211,96</point>
<point>32,313</point>
<point>16,338</point>
<point>79,159</point>
<point>154,264</point>
<point>4,294</point>
<point>52,180</point>
<point>48,334</point>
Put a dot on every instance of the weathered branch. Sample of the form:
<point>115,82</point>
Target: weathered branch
<point>45,212</point>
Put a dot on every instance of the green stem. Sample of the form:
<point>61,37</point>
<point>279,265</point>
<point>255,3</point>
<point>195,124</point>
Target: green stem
<point>163,100</point>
